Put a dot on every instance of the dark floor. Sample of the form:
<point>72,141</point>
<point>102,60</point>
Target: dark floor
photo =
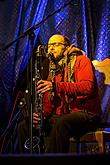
<point>55,158</point>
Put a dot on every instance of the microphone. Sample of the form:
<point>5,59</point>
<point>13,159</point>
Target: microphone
<point>41,50</point>
<point>51,57</point>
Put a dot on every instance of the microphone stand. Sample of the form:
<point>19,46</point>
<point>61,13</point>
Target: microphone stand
<point>30,32</point>
<point>31,29</point>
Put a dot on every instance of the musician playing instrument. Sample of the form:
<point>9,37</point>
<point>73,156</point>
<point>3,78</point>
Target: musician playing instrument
<point>71,104</point>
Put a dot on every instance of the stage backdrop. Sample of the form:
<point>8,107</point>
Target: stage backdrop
<point>85,22</point>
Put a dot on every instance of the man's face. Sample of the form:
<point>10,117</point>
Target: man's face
<point>56,46</point>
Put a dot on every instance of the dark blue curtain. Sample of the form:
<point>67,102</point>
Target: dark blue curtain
<point>85,22</point>
<point>16,16</point>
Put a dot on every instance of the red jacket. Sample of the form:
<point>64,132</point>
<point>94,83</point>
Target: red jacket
<point>82,94</point>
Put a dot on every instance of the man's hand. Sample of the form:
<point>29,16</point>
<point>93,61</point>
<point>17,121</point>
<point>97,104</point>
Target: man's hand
<point>36,119</point>
<point>44,86</point>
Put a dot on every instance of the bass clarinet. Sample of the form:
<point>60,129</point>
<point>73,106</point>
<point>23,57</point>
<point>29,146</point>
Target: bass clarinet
<point>38,138</point>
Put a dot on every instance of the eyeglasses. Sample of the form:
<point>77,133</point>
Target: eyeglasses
<point>56,44</point>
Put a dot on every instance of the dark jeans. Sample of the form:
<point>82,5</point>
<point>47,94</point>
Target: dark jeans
<point>60,128</point>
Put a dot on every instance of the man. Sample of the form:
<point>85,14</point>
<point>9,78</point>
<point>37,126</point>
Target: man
<point>71,105</point>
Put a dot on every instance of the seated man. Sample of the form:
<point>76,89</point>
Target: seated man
<point>71,104</point>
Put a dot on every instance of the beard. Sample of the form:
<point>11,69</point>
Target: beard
<point>59,57</point>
